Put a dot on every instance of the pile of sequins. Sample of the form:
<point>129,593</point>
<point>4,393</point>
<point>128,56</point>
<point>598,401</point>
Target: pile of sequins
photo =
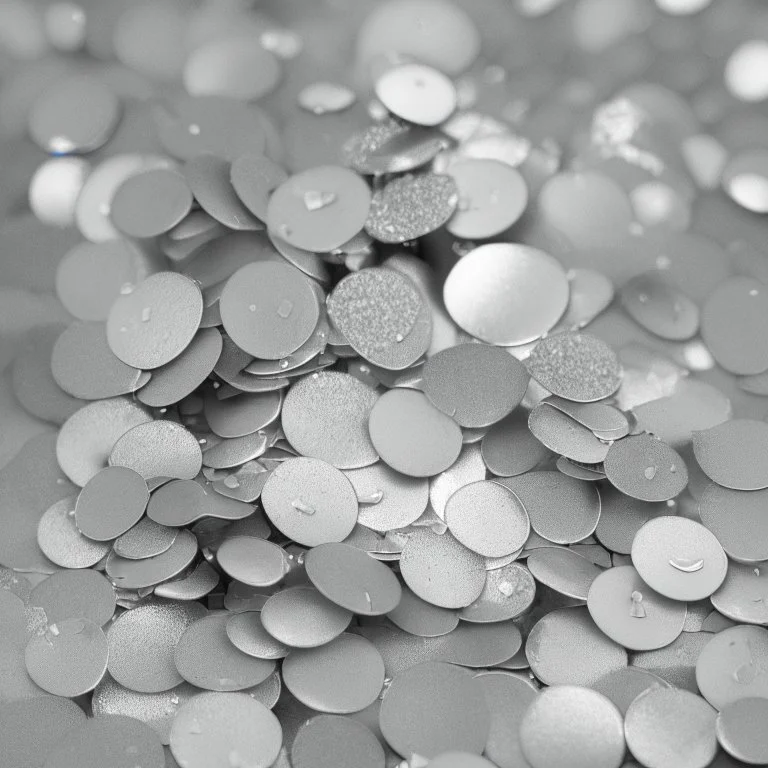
<point>403,393</point>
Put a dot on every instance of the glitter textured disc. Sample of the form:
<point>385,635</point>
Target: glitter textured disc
<point>142,642</point>
<point>310,501</point>
<point>61,541</point>
<point>239,730</point>
<point>506,294</point>
<point>461,721</point>
<point>679,558</point>
<point>158,449</point>
<point>442,571</point>
<point>325,416</point>
<point>669,728</point>
<point>205,657</point>
<point>301,617</point>
<point>477,385</point>
<point>88,436</point>
<point>576,366</point>
<point>146,539</point>
<point>631,613</point>
<point>69,658</point>
<point>156,321</point>
<point>646,468</point>
<point>320,208</point>
<point>411,206</point>
<point>411,435</point>
<point>378,310</point>
<point>329,741</point>
<point>487,518</point>
<point>343,676</point>
<point>566,647</point>
<point>570,727</point>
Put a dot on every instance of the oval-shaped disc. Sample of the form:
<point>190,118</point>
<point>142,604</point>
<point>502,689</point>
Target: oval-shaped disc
<point>506,294</point>
<point>83,594</point>
<point>341,677</point>
<point>252,561</point>
<point>734,454</point>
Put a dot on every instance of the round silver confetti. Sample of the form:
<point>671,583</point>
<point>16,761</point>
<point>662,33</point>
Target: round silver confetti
<point>252,561</point>
<point>61,541</point>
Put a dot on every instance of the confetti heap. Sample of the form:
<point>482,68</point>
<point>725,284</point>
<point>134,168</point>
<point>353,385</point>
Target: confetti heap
<point>385,384</point>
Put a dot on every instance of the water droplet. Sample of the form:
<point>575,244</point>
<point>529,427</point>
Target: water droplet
<point>638,609</point>
<point>315,199</point>
<point>650,473</point>
<point>146,314</point>
<point>506,588</point>
<point>371,498</point>
<point>745,674</point>
<point>685,565</point>
<point>399,337</point>
<point>285,308</point>
<point>231,481</point>
<point>252,307</point>
<point>195,727</point>
<point>754,292</point>
<point>303,507</point>
<point>126,289</point>
<point>284,364</point>
<point>194,129</point>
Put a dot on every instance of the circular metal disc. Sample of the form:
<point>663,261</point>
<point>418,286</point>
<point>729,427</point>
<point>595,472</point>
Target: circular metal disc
<point>84,366</point>
<point>737,518</point>
<point>487,518</point>
<point>510,449</point>
<point>146,539</point>
<point>343,676</point>
<point>623,686</point>
<point>492,197</point>
<point>442,571</point>
<point>206,657</point>
<point>353,579</point>
<point>142,642</point>
<point>566,647</point>
<point>30,729</point>
<point>740,596</point>
<point>61,541</point>
<point>417,617</point>
<point>77,115</point>
<point>669,728</point>
<point>564,435</point>
<point>252,561</point>
<point>150,203</point>
<point>388,499</point>
<point>325,416</point>
<point>329,741</point>
<point>734,454</point>
<point>411,435</point>
<point>561,509</point>
<point>734,325</point>
<point>82,594</point>
<point>247,634</point>
<point>156,321</point>
<point>509,592</point>
<point>255,178</point>
<point>158,449</point>
<point>86,439</point>
<point>192,587</point>
<point>127,741</point>
<point>111,503</point>
<point>646,468</point>
<point>69,659</point>
<point>417,93</point>
<point>238,730</point>
<point>563,570</point>
<point>433,708</point>
<point>679,558</point>
<point>730,666</point>
<point>477,385</point>
<point>319,209</point>
<point>310,501</point>
<point>570,727</point>
<point>740,728</point>
<point>506,294</point>
<point>575,366</point>
<point>242,415</point>
<point>631,613</point>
